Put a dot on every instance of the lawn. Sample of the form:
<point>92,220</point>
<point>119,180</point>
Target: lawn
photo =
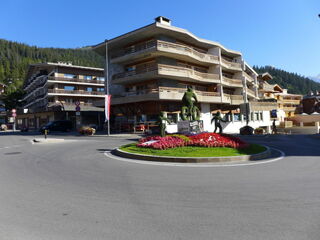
<point>191,151</point>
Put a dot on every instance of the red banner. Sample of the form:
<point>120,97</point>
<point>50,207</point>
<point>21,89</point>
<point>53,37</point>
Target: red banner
<point>107,104</point>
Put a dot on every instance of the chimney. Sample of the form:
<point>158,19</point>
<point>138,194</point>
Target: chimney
<point>163,20</point>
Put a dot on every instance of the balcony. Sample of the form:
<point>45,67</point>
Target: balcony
<point>248,77</point>
<point>165,93</point>
<point>251,92</point>
<point>231,65</point>
<point>162,70</point>
<point>62,92</point>
<point>75,81</point>
<point>232,82</point>
<point>158,47</point>
<point>67,106</point>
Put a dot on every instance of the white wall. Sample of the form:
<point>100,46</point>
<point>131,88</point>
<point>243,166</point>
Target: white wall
<point>228,127</point>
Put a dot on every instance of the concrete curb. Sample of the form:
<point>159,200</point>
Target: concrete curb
<point>136,156</point>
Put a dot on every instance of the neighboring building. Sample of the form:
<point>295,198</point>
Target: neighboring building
<point>151,67</point>
<point>311,103</point>
<point>3,112</point>
<point>53,89</point>
<point>287,104</point>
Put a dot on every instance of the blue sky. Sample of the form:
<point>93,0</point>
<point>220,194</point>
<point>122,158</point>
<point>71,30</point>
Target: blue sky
<point>281,33</point>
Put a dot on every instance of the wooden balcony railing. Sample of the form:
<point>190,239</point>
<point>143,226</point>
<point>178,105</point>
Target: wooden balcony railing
<point>231,64</point>
<point>232,80</point>
<point>75,80</point>
<point>174,69</point>
<point>62,91</point>
<point>251,91</point>
<point>251,79</point>
<point>187,49</point>
<point>166,45</point>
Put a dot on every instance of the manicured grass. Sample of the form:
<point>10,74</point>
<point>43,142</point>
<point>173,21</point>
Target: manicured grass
<point>190,151</point>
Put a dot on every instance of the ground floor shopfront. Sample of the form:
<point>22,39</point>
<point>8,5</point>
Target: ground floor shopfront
<point>38,119</point>
<point>143,116</point>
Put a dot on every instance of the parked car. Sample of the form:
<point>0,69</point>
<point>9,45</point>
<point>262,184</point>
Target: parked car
<point>62,126</point>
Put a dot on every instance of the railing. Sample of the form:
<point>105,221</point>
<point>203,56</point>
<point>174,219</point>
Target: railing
<point>232,80</point>
<point>75,80</point>
<point>251,91</point>
<point>183,90</point>
<point>135,48</point>
<point>251,79</point>
<point>170,89</point>
<point>70,104</point>
<point>167,45</point>
<point>231,64</point>
<point>187,49</point>
<point>135,72</point>
<point>211,76</point>
<point>267,87</point>
<point>159,67</point>
<point>236,97</point>
<point>62,91</point>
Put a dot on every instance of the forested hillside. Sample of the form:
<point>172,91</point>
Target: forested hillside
<point>295,83</point>
<point>15,58</point>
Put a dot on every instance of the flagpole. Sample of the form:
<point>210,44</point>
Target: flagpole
<point>106,76</point>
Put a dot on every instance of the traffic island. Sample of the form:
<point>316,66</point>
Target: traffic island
<point>200,148</point>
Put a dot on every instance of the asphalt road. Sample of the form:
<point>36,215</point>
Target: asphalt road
<point>71,190</point>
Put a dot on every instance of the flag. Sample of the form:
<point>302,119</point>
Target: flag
<point>107,104</point>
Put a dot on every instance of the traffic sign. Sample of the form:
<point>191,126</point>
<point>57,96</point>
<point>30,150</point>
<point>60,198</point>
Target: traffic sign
<point>14,114</point>
<point>13,110</point>
<point>77,103</point>
<point>78,108</point>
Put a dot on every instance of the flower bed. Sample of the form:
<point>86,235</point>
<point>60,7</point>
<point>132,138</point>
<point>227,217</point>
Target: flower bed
<point>199,140</point>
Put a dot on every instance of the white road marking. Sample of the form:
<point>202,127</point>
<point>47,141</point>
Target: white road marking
<point>13,146</point>
<point>257,162</point>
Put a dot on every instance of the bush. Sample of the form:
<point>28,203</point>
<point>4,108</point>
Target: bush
<point>246,130</point>
<point>85,130</point>
<point>259,131</point>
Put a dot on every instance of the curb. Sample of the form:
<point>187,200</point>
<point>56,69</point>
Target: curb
<point>136,156</point>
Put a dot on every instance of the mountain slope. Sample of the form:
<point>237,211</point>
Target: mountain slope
<point>293,82</point>
<point>15,58</point>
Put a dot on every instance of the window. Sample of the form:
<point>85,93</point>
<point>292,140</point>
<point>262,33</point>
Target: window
<point>100,89</point>
<point>236,117</point>
<point>69,88</point>
<point>89,89</point>
<point>100,78</point>
<point>66,75</point>
<point>261,116</point>
<point>87,77</point>
<point>257,116</point>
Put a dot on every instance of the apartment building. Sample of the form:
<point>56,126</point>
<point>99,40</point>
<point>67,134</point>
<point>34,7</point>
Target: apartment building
<point>287,104</point>
<point>150,68</point>
<point>53,90</point>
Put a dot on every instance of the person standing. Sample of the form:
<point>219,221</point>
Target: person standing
<point>217,122</point>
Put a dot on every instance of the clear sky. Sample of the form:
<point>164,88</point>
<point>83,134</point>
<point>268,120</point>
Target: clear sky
<point>281,33</point>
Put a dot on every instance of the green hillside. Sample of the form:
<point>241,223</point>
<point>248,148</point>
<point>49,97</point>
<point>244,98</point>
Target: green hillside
<point>295,83</point>
<point>15,58</point>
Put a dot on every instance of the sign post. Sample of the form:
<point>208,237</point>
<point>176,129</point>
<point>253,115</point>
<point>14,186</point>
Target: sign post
<point>78,113</point>
<point>14,114</point>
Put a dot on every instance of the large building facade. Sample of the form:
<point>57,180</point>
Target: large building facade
<point>53,90</point>
<point>150,69</point>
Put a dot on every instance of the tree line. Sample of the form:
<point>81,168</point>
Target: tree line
<point>294,82</point>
